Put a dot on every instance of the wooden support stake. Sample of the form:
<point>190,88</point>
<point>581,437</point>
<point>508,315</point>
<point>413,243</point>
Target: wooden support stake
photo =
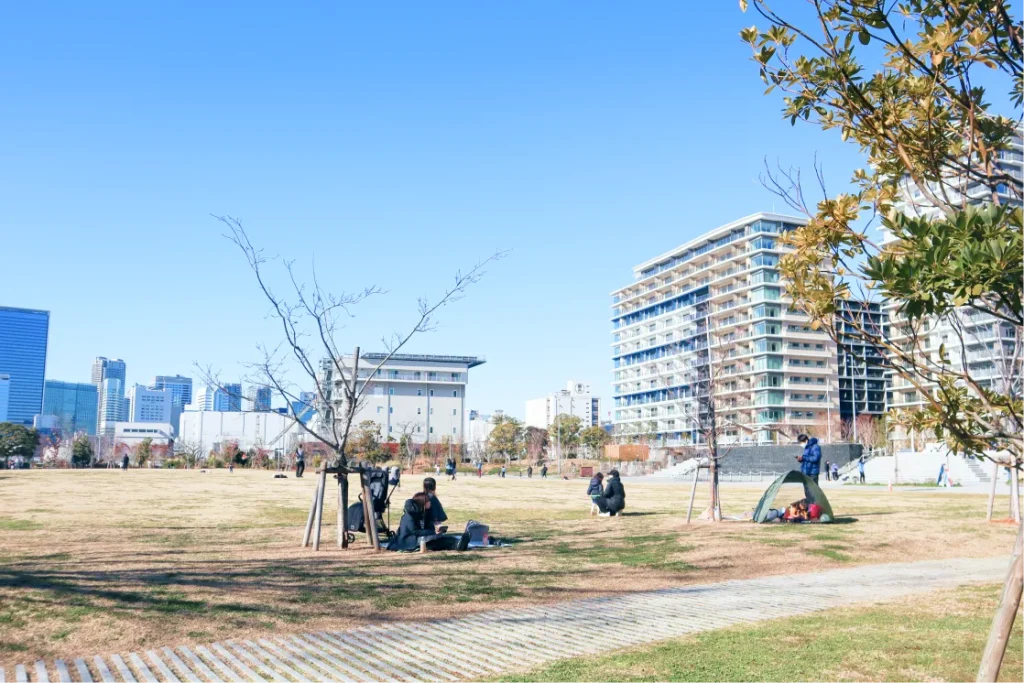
<point>344,508</point>
<point>1015,491</point>
<point>368,516</point>
<point>319,508</point>
<point>992,492</point>
<point>693,493</point>
<point>1002,623</point>
<point>312,515</point>
<point>341,516</point>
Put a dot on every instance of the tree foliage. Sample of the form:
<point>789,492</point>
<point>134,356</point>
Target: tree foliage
<point>594,438</point>
<point>17,441</point>
<point>564,432</point>
<point>907,83</point>
<point>507,439</point>
<point>143,452</point>
<point>81,452</point>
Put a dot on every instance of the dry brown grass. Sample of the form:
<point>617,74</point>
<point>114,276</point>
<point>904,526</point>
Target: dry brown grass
<point>99,561</point>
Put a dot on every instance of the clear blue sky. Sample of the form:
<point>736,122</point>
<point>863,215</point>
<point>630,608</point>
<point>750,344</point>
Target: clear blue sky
<point>393,144</point>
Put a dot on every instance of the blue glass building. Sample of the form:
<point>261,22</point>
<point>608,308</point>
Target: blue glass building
<point>74,405</point>
<point>23,337</point>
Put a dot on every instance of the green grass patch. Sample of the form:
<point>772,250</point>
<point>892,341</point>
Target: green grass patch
<point>936,637</point>
<point>654,551</point>
<point>12,524</point>
<point>831,553</point>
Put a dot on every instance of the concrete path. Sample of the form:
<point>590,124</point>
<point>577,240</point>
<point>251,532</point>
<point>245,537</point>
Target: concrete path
<point>491,643</point>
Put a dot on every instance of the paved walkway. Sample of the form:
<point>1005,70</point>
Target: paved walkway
<point>498,641</point>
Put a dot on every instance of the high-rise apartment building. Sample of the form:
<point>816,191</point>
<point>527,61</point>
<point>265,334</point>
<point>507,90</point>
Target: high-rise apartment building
<point>421,396</point>
<point>149,405</point>
<point>74,406</point>
<point>862,389</point>
<point>576,399</point>
<point>984,346</point>
<point>258,398</point>
<point>708,325</point>
<point>24,335</point>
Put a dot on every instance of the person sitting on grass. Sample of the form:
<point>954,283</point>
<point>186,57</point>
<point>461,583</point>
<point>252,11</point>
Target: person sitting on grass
<point>797,512</point>
<point>414,524</point>
<point>614,499</point>
<point>436,513</point>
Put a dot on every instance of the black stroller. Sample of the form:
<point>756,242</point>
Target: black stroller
<point>376,480</point>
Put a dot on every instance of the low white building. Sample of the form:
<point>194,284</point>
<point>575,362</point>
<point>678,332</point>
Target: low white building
<point>132,434</point>
<point>576,399</point>
<point>479,431</point>
<point>212,429</point>
<point>421,396</point>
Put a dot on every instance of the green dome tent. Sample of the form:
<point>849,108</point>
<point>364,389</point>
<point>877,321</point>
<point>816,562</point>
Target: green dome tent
<point>793,477</point>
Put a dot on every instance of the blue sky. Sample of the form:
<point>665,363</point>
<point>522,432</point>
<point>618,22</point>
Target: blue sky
<point>393,145</point>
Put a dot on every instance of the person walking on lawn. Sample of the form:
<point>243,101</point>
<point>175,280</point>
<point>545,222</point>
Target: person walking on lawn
<point>828,471</point>
<point>860,468</point>
<point>300,462</point>
<point>544,471</point>
<point>810,459</point>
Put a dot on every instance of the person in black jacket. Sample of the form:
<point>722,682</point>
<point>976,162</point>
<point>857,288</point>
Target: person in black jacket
<point>436,512</point>
<point>614,499</point>
<point>415,523</point>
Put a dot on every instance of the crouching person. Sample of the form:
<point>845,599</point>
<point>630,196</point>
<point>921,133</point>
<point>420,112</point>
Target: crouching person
<point>416,522</point>
<point>614,499</point>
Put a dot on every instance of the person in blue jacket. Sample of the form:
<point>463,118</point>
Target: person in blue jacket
<point>810,459</point>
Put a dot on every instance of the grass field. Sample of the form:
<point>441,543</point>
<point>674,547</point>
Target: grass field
<point>935,638</point>
<point>102,561</point>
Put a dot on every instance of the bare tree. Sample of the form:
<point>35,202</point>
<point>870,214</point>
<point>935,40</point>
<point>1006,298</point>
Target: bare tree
<point>311,321</point>
<point>191,452</point>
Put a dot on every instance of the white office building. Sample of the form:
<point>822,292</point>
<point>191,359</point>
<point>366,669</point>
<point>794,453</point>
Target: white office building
<point>479,431</point>
<point>708,325</point>
<point>131,434</point>
<point>422,396</point>
<point>149,405</point>
<point>213,429</point>
<point>576,399</point>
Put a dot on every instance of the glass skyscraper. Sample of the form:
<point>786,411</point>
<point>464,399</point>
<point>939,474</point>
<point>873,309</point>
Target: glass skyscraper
<point>23,337</point>
<point>74,405</point>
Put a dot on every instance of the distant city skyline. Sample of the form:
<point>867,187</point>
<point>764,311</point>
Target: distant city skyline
<point>420,151</point>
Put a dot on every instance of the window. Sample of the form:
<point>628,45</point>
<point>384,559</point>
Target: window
<point>378,410</point>
<point>419,392</point>
<point>389,428</point>
<point>455,393</point>
<point>391,409</point>
<point>431,411</point>
<point>455,411</point>
<point>419,411</point>
<point>431,430</point>
<point>453,430</point>
<point>431,392</point>
<point>391,391</point>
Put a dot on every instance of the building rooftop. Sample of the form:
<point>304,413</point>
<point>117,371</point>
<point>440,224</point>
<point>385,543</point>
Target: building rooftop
<point>470,361</point>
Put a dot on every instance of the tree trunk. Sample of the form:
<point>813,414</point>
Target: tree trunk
<point>312,516</point>
<point>1002,622</point>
